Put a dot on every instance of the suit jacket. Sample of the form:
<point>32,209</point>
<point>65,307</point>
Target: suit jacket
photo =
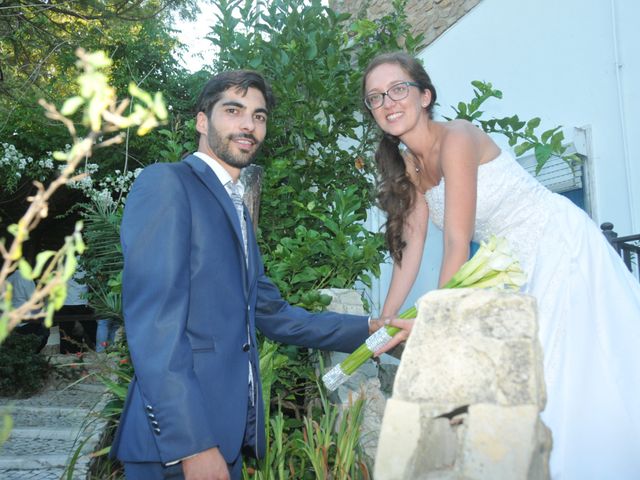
<point>189,300</point>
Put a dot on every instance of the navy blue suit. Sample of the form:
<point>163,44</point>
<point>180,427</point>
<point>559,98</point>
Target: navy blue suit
<point>189,300</point>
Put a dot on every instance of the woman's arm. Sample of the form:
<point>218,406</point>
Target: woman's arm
<point>459,160</point>
<point>403,276</point>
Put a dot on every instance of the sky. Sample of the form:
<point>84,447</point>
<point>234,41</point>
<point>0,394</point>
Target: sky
<point>192,34</point>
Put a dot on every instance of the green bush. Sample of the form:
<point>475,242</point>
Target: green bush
<point>23,372</point>
<point>318,168</point>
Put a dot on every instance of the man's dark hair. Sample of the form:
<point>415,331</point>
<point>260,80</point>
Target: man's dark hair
<point>239,79</point>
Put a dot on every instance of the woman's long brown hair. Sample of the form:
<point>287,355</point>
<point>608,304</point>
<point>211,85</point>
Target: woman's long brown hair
<point>396,194</point>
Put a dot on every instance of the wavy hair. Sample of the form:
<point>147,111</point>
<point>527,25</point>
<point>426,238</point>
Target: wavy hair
<point>395,192</point>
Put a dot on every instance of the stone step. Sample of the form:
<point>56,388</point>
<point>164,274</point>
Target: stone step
<point>33,474</point>
<point>33,462</point>
<point>49,427</point>
<point>40,432</point>
<point>35,452</point>
<point>44,417</point>
<point>38,441</point>
<point>71,397</point>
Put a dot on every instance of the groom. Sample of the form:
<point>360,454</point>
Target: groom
<point>194,292</point>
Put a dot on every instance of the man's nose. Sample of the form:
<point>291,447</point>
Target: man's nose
<point>248,123</point>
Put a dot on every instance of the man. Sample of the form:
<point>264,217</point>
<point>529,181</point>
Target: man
<point>22,290</point>
<point>194,291</point>
<point>76,334</point>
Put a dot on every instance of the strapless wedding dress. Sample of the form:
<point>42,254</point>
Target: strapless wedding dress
<point>588,314</point>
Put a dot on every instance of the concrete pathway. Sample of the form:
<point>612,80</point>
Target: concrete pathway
<point>49,427</point>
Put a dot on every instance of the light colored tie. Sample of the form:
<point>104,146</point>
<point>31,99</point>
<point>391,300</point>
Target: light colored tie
<point>236,197</point>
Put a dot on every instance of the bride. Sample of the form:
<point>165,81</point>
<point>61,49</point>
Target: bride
<point>588,303</point>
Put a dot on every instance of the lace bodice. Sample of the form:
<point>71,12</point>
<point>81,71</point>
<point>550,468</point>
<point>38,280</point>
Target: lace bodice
<point>511,204</point>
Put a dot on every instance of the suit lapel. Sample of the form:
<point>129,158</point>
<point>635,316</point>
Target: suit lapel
<point>211,181</point>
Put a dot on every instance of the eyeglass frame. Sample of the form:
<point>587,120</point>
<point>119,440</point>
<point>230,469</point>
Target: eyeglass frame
<point>386,94</point>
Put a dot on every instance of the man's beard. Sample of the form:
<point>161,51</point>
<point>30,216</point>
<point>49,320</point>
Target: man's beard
<point>222,148</point>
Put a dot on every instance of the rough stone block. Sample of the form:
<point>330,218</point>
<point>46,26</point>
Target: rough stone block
<point>504,442</point>
<point>472,346</point>
<point>468,393</point>
<point>399,440</point>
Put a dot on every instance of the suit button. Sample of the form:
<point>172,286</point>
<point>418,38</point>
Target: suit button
<point>149,408</point>
<point>155,423</point>
<point>151,416</point>
<point>156,431</point>
<point>246,347</point>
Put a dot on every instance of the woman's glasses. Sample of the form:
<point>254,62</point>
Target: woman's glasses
<point>395,92</point>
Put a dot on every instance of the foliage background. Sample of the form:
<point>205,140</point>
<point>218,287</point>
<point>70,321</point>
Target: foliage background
<point>37,60</point>
<point>317,158</point>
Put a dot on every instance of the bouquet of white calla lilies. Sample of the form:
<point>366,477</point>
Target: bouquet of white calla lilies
<point>492,266</point>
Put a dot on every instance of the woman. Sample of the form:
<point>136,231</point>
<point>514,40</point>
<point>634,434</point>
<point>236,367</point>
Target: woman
<point>588,303</point>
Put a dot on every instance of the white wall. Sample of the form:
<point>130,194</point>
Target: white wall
<point>573,63</point>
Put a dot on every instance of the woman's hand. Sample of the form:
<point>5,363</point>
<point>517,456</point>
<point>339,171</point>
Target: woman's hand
<point>404,325</point>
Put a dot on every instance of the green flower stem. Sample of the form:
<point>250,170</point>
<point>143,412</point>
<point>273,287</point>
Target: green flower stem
<point>493,266</point>
<point>362,353</point>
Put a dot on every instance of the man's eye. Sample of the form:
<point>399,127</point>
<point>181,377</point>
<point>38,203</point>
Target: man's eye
<point>261,118</point>
<point>232,110</point>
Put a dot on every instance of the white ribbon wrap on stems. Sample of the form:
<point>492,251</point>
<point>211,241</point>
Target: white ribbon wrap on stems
<point>377,340</point>
<point>334,378</point>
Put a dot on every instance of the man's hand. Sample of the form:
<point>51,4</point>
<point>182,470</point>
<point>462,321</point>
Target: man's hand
<point>207,465</point>
<point>401,336</point>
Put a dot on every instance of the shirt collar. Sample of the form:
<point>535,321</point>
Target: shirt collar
<point>219,170</point>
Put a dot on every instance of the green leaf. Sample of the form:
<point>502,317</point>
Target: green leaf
<point>71,105</point>
<point>533,123</point>
<point>25,269</point>
<point>543,153</point>
<point>546,135</point>
<point>69,266</point>
<point>522,148</point>
<point>309,133</point>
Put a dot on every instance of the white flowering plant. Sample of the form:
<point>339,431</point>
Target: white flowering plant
<point>17,168</point>
<point>108,191</point>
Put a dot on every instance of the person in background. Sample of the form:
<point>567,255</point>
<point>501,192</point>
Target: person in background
<point>105,333</point>
<point>107,325</point>
<point>79,332</point>
<point>23,289</point>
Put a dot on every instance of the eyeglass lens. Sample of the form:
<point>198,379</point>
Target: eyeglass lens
<point>398,91</point>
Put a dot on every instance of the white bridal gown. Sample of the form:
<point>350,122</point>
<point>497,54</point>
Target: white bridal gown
<point>588,314</point>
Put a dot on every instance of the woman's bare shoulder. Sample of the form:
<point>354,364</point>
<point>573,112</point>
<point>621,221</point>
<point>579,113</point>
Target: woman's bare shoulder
<point>457,135</point>
<point>464,138</point>
<point>460,128</point>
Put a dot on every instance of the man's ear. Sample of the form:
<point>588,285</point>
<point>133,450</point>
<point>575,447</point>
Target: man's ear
<point>202,123</point>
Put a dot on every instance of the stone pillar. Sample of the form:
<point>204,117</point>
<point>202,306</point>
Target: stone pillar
<point>468,392</point>
<point>429,17</point>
